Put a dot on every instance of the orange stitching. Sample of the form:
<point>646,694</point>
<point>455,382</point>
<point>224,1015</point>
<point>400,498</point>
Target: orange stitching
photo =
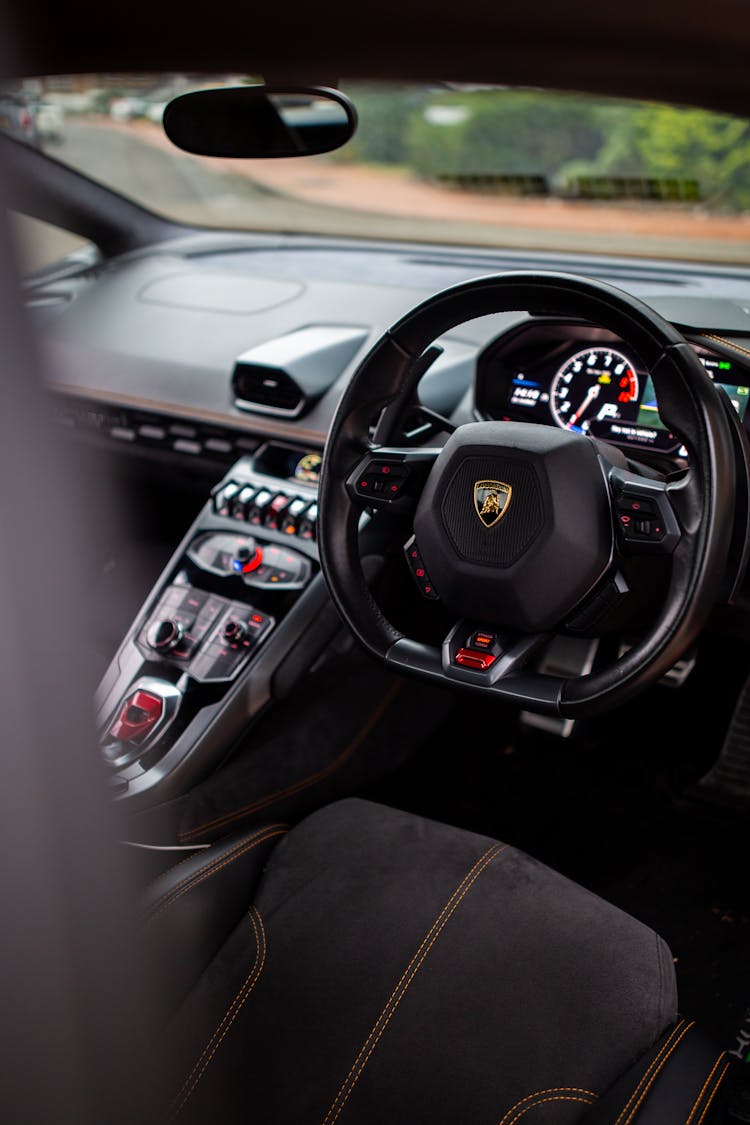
<point>697,1102</point>
<point>713,1093</point>
<point>212,865</point>
<point>658,1071</point>
<point>726,343</point>
<point>554,1098</point>
<point>550,1090</point>
<point>406,978</point>
<point>645,1076</point>
<point>189,884</point>
<point>230,1016</point>
<point>169,870</point>
<point>655,1063</point>
<point>212,861</point>
<point>306,782</point>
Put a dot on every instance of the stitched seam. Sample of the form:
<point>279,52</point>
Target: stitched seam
<point>553,1098</point>
<point>170,870</point>
<point>655,1063</point>
<point>644,1077</point>
<point>550,1090</point>
<point>306,782</point>
<point>214,864</point>
<point>424,949</point>
<point>657,1072</point>
<point>230,1016</point>
<point>210,866</point>
<point>726,343</point>
<point>189,884</point>
<point>705,1086</point>
<point>407,976</point>
<point>713,1093</point>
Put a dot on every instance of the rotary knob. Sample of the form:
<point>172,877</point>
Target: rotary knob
<point>247,558</point>
<point>165,635</point>
<point>234,632</point>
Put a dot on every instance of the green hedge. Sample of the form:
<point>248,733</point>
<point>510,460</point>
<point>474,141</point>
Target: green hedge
<point>565,138</point>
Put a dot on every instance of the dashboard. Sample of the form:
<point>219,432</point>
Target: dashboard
<point>589,381</point>
<point>145,354</point>
<point>178,364</point>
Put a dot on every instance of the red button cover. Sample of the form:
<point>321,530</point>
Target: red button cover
<point>138,714</point>
<point>470,658</point>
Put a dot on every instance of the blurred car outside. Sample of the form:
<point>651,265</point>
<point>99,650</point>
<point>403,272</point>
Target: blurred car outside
<point>127,108</point>
<point>49,121</point>
<point>16,118</point>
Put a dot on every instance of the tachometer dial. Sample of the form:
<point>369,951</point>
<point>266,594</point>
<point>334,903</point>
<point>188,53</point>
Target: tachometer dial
<point>597,384</point>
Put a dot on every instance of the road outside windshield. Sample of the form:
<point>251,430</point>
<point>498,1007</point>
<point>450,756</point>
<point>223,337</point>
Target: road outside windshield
<point>488,167</point>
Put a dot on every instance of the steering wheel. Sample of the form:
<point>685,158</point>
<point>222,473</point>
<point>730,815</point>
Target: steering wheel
<point>521,530</point>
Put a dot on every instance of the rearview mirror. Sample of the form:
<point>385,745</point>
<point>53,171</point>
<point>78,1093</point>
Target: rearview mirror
<point>260,121</point>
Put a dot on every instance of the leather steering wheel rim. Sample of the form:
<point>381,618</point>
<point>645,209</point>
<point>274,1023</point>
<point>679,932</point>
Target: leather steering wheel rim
<point>690,405</point>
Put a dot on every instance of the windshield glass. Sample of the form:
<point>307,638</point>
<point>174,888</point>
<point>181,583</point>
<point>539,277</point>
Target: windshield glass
<point>481,166</point>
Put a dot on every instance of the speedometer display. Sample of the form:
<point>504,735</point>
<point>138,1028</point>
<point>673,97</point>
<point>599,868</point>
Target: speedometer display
<point>594,385</point>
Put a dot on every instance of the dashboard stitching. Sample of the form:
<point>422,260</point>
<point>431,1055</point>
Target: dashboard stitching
<point>726,343</point>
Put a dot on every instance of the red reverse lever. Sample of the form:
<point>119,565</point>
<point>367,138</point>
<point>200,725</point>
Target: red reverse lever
<point>139,713</point>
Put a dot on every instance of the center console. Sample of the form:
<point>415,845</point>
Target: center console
<point>240,611</point>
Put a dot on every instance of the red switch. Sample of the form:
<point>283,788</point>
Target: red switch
<point>470,658</point>
<point>138,715</point>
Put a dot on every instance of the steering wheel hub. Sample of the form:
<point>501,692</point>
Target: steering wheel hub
<point>514,523</point>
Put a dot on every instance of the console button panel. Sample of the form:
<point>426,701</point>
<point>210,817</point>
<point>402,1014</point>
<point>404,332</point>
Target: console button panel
<point>239,629</point>
<point>262,507</point>
<point>216,633</point>
<point>262,565</point>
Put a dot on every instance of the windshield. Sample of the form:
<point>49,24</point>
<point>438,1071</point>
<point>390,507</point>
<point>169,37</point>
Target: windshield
<point>491,167</point>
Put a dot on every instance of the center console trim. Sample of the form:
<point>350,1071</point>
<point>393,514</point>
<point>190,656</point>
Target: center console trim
<point>298,639</point>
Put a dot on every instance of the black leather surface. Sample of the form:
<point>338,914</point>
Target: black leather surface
<point>191,910</point>
<point>394,969</point>
<point>678,1082</point>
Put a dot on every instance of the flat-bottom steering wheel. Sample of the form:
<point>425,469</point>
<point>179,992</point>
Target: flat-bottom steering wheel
<point>520,529</point>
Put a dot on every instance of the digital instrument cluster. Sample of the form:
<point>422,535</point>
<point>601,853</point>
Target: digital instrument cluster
<point>590,385</point>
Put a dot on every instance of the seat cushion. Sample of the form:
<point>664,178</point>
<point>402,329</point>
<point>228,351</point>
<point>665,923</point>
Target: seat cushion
<point>394,969</point>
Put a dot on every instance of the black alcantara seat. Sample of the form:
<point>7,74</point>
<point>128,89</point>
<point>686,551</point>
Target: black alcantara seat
<point>373,967</point>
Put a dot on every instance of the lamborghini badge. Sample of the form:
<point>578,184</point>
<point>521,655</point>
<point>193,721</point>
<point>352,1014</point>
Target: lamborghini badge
<point>491,500</point>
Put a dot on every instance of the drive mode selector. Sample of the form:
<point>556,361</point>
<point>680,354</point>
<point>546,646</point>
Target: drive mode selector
<point>165,635</point>
<point>247,558</point>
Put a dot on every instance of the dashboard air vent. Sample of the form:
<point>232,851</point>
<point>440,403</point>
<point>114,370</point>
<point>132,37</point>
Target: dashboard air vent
<point>287,375</point>
<point>266,389</point>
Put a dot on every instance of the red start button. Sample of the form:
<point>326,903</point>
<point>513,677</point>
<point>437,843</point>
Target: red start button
<point>471,658</point>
